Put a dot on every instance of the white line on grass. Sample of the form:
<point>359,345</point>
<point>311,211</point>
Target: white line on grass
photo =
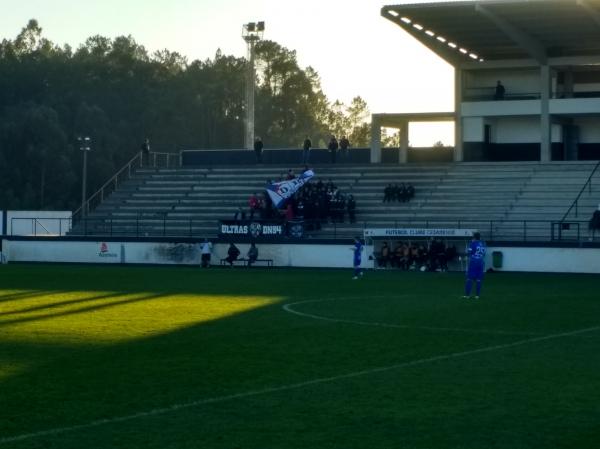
<point>290,309</point>
<point>321,380</point>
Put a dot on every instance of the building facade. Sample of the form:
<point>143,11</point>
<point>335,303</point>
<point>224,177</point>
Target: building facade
<point>527,77</point>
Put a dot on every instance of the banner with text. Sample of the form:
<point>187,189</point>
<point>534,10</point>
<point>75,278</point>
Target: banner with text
<point>279,192</point>
<point>418,232</point>
<point>252,229</point>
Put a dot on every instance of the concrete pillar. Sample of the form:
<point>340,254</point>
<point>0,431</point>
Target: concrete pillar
<point>403,153</point>
<point>545,128</point>
<point>568,85</point>
<point>375,140</point>
<point>458,134</point>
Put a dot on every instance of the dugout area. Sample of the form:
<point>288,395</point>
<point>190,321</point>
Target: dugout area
<point>412,249</point>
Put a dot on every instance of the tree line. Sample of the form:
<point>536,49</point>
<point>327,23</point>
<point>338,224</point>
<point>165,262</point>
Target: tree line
<point>115,92</point>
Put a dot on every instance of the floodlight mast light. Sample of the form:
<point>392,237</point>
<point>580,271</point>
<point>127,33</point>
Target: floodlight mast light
<point>252,32</point>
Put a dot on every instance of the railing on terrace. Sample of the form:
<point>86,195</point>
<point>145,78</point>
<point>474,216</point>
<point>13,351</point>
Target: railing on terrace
<point>162,226</point>
<point>575,205</point>
<point>140,160</point>
<point>489,94</point>
<point>47,227</point>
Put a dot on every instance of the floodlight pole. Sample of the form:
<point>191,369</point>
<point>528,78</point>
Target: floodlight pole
<point>84,145</point>
<point>252,32</point>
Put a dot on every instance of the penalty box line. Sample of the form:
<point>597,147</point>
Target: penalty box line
<point>294,386</point>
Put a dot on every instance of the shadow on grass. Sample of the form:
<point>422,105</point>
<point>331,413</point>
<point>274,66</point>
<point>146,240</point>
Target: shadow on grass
<point>55,304</point>
<point>62,385</point>
<point>22,295</point>
<point>81,310</point>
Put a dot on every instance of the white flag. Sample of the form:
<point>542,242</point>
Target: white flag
<point>279,192</point>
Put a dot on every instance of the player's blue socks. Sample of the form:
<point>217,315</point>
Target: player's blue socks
<point>356,272</point>
<point>468,286</point>
<point>478,287</point>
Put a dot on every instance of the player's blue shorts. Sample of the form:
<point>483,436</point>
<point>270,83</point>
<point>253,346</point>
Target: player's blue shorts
<point>475,270</point>
<point>357,261</point>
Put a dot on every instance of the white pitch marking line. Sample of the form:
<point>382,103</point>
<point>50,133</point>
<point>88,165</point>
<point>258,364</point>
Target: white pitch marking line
<point>321,380</point>
<point>288,308</point>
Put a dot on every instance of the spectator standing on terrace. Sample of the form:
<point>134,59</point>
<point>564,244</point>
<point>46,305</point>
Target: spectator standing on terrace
<point>146,146</point>
<point>594,224</point>
<point>351,208</point>
<point>306,146</point>
<point>252,254</point>
<point>500,91</point>
<point>258,147</point>
<point>401,193</point>
<point>253,205</point>
<point>388,193</point>
<point>410,190</point>
<point>239,215</point>
<point>344,144</point>
<point>333,147</point>
<point>205,251</point>
<point>289,212</point>
<point>385,255</point>
<point>146,150</point>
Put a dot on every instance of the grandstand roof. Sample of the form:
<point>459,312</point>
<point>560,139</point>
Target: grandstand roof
<point>492,30</point>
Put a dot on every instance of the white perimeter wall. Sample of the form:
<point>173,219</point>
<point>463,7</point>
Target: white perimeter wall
<point>559,260</point>
<point>38,223</point>
<point>174,253</point>
<point>554,260</point>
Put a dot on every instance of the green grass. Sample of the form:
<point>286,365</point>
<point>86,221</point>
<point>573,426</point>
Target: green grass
<point>393,360</point>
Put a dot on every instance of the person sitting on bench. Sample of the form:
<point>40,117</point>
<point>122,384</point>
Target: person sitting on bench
<point>232,254</point>
<point>252,254</point>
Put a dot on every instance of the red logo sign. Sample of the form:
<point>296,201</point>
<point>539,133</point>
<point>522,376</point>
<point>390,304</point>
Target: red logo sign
<point>103,247</point>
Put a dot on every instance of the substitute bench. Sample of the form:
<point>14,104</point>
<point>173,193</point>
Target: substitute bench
<point>244,261</point>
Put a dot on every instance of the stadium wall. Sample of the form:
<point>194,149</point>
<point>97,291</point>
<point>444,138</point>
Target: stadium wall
<point>528,259</point>
<point>547,260</point>
<point>174,253</point>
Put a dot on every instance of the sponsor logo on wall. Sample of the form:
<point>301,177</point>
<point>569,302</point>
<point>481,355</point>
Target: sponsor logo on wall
<point>105,251</point>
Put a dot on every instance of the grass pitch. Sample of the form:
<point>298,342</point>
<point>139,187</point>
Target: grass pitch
<point>155,357</point>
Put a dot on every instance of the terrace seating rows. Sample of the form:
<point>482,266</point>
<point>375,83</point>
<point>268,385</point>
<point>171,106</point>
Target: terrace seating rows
<point>494,197</point>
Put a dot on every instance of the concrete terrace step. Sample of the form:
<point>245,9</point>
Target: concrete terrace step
<point>444,192</point>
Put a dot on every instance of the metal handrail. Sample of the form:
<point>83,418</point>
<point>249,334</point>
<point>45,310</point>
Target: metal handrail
<point>575,202</point>
<point>37,222</point>
<point>166,155</point>
<point>111,181</point>
<point>159,225</point>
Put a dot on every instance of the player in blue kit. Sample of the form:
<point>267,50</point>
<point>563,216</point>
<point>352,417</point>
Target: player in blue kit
<point>476,253</point>
<point>357,249</point>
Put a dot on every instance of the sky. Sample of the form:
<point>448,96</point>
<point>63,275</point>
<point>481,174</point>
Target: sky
<point>355,51</point>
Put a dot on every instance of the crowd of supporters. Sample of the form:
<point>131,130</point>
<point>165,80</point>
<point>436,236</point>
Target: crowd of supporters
<point>416,256</point>
<point>319,202</point>
<point>315,203</point>
<point>398,192</point>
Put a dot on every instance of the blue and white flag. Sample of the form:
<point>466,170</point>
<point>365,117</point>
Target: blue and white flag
<point>279,192</point>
